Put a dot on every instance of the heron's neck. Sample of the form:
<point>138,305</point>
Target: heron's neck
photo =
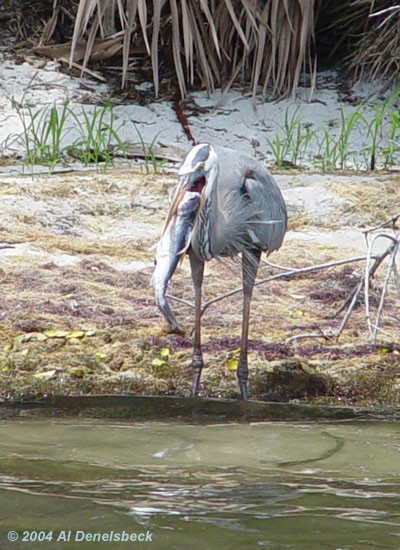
<point>207,216</point>
<point>210,191</point>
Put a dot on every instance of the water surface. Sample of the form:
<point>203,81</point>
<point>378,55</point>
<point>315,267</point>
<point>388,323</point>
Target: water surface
<point>278,485</point>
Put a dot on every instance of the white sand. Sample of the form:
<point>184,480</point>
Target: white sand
<point>234,119</point>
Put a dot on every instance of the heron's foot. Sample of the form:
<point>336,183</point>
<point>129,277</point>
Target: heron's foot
<point>242,375</point>
<point>197,367</point>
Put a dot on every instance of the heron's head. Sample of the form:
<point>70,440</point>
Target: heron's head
<point>199,168</point>
<point>197,174</point>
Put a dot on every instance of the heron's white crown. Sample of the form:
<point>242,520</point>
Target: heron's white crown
<point>202,156</point>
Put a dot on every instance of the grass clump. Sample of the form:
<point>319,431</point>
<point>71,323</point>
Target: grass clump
<point>99,140</point>
<point>297,136</point>
<point>382,130</point>
<point>42,133</point>
<point>53,134</point>
<point>148,152</point>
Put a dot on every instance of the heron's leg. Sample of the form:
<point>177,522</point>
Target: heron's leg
<point>197,268</point>
<point>250,262</point>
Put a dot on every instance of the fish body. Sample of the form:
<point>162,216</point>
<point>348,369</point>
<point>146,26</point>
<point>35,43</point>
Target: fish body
<point>173,243</point>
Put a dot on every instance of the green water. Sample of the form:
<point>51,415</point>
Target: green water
<point>333,485</point>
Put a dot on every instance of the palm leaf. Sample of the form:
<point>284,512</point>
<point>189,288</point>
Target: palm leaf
<point>236,23</point>
<point>265,42</point>
<point>142,9</point>
<point>85,10</point>
<point>199,43</point>
<point>176,43</point>
<point>154,42</point>
<point>187,40</point>
<point>129,24</point>
<point>207,13</point>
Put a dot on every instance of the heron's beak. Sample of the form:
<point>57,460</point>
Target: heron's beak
<point>180,191</point>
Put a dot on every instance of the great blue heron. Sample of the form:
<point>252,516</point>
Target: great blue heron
<point>241,211</point>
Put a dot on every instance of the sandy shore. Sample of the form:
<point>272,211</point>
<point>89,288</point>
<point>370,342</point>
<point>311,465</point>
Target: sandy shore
<point>77,314</point>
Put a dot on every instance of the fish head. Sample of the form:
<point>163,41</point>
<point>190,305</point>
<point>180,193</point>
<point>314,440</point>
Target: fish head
<point>197,174</point>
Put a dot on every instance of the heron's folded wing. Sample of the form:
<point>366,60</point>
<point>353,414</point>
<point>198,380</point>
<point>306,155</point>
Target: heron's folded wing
<point>268,218</point>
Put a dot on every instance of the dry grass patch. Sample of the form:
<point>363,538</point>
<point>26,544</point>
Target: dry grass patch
<point>372,203</point>
<point>89,326</point>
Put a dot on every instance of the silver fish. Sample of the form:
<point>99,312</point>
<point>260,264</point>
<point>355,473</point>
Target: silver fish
<point>174,242</point>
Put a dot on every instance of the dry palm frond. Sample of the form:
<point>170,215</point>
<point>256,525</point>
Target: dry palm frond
<point>371,29</point>
<point>378,53</point>
<point>266,42</point>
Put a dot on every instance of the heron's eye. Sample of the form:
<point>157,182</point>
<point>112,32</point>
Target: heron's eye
<point>201,166</point>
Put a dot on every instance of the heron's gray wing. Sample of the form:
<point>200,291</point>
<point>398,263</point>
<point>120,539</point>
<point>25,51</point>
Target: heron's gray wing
<point>247,209</point>
<point>267,211</point>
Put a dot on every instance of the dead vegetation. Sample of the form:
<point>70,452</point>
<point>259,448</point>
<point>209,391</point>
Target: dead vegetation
<point>376,25</point>
<point>371,204</point>
<point>270,46</point>
<point>77,315</point>
<point>215,43</point>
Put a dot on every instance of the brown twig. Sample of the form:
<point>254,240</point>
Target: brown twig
<point>391,220</point>
<point>182,118</point>
<point>304,336</point>
<point>180,300</point>
<point>345,319</point>
<point>319,334</point>
<point>396,278</point>
<point>286,274</point>
<point>392,250</point>
<point>82,68</point>
<point>345,302</point>
<point>351,300</point>
<point>356,291</point>
<point>384,290</point>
